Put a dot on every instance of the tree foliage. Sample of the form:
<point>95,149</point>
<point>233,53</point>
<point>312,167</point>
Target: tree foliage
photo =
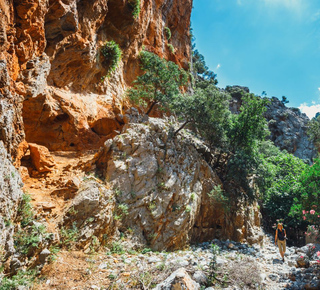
<point>208,110</point>
<point>249,126</point>
<point>202,75</point>
<point>308,192</point>
<point>159,84</point>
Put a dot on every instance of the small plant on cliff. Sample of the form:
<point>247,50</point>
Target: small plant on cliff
<point>112,55</point>
<point>25,212</point>
<point>69,236</point>
<point>167,32</point>
<point>121,210</point>
<point>171,48</point>
<point>159,84</point>
<point>217,195</point>
<point>26,240</point>
<point>135,6</point>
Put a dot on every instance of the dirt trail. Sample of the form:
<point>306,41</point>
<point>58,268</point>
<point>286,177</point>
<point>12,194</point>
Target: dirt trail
<point>52,192</point>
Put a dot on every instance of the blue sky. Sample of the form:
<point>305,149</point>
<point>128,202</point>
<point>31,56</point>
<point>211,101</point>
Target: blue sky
<point>267,45</point>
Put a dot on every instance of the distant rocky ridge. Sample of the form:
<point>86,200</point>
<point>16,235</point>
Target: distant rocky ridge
<point>288,126</point>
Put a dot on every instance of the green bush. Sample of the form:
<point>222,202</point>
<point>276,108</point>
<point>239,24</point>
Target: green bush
<point>69,236</point>
<point>117,248</point>
<point>25,211</point>
<point>135,6</point>
<point>171,48</point>
<point>112,54</point>
<point>167,32</point>
<point>22,278</point>
<point>29,238</point>
<point>160,83</point>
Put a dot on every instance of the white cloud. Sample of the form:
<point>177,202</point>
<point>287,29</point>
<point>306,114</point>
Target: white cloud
<point>310,110</point>
<point>298,7</point>
<point>218,66</point>
<point>239,2</point>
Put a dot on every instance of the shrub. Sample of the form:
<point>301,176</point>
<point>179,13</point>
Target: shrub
<point>167,32</point>
<point>171,48</point>
<point>28,239</point>
<point>22,278</point>
<point>159,84</point>
<point>217,195</point>
<point>69,236</point>
<point>135,6</point>
<point>112,54</point>
<point>244,274</point>
<point>117,248</point>
<point>25,212</point>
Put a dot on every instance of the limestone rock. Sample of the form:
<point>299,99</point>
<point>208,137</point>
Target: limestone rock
<point>288,126</point>
<point>178,280</point>
<point>160,179</point>
<point>10,194</point>
<point>91,212</point>
<point>41,158</point>
<point>165,183</point>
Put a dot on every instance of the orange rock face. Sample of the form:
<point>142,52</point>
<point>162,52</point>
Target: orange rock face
<point>53,65</point>
<point>41,158</point>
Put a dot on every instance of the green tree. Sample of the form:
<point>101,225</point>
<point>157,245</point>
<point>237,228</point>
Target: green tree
<point>247,129</point>
<point>284,100</point>
<point>278,179</point>
<point>249,126</point>
<point>314,130</point>
<point>308,193</point>
<point>159,84</point>
<point>202,75</point>
<point>208,110</point>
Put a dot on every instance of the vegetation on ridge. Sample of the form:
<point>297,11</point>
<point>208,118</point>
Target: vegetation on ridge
<point>238,142</point>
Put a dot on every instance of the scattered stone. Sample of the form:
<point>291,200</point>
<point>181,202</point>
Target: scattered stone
<point>44,255</point>
<point>179,279</point>
<point>200,277</point>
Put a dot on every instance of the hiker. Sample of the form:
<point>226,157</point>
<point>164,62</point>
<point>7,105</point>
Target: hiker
<point>280,239</point>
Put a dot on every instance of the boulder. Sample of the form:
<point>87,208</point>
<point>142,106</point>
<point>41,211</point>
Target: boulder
<point>41,158</point>
<point>178,280</point>
<point>91,212</point>
<point>303,262</point>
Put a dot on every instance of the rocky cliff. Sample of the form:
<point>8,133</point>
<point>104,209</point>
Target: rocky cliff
<point>288,126</point>
<point>54,94</point>
<point>51,65</point>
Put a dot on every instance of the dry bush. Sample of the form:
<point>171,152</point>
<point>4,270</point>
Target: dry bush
<point>243,272</point>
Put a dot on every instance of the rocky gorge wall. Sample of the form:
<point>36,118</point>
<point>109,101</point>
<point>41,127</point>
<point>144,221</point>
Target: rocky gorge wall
<point>52,90</point>
<point>52,66</point>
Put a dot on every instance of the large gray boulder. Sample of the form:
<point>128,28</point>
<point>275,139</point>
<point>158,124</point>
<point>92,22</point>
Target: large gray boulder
<point>91,212</point>
<point>165,183</point>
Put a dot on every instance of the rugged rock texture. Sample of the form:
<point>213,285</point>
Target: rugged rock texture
<point>41,158</point>
<point>179,279</point>
<point>165,183</point>
<point>50,59</point>
<point>91,212</point>
<point>10,194</point>
<point>288,126</point>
